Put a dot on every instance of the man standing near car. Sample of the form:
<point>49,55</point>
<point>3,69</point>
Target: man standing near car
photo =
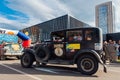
<point>112,51</point>
<point>2,50</point>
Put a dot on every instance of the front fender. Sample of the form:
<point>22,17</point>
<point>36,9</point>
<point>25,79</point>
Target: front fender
<point>91,52</point>
<point>29,51</point>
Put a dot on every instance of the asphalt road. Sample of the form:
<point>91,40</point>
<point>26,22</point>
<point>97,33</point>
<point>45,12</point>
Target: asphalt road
<point>12,70</point>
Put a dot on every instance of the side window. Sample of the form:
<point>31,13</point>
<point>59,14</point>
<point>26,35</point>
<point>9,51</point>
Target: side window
<point>58,37</point>
<point>88,35</point>
<point>74,36</point>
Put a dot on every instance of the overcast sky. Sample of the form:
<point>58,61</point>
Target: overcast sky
<point>25,13</point>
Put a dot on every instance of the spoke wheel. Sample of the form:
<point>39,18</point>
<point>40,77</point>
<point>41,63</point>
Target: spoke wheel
<point>87,65</point>
<point>27,60</point>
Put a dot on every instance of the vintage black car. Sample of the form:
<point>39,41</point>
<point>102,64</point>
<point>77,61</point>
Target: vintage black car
<point>80,46</point>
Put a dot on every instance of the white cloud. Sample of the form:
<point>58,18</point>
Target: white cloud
<point>42,10</point>
<point>19,24</point>
<point>19,18</point>
<point>2,19</point>
<point>117,10</point>
<point>33,8</point>
<point>117,15</point>
<point>91,23</point>
<point>39,10</point>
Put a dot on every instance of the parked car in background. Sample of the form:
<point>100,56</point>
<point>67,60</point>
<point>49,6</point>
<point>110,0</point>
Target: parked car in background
<point>9,46</point>
<point>11,50</point>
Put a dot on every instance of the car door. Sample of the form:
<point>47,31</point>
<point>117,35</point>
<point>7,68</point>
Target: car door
<point>59,44</point>
<point>74,39</point>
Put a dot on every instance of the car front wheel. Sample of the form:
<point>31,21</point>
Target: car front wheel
<point>27,60</point>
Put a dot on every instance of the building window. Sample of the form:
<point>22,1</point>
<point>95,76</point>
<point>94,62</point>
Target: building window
<point>103,14</point>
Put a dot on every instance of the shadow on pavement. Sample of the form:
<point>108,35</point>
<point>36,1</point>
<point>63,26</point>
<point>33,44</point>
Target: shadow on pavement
<point>9,58</point>
<point>114,64</point>
<point>60,70</point>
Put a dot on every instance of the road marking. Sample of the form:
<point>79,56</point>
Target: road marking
<point>114,71</point>
<point>56,71</point>
<point>31,76</point>
<point>46,70</point>
<point>111,70</point>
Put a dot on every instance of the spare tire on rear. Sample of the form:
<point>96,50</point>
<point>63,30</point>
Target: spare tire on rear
<point>42,53</point>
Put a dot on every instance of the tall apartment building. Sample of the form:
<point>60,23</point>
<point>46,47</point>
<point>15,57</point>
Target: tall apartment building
<point>105,17</point>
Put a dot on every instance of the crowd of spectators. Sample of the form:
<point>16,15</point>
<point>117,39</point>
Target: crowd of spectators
<point>112,50</point>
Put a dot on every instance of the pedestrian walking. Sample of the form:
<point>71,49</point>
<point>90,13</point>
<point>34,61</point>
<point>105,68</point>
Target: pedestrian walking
<point>118,50</point>
<point>112,51</point>
<point>105,49</point>
<point>2,51</point>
